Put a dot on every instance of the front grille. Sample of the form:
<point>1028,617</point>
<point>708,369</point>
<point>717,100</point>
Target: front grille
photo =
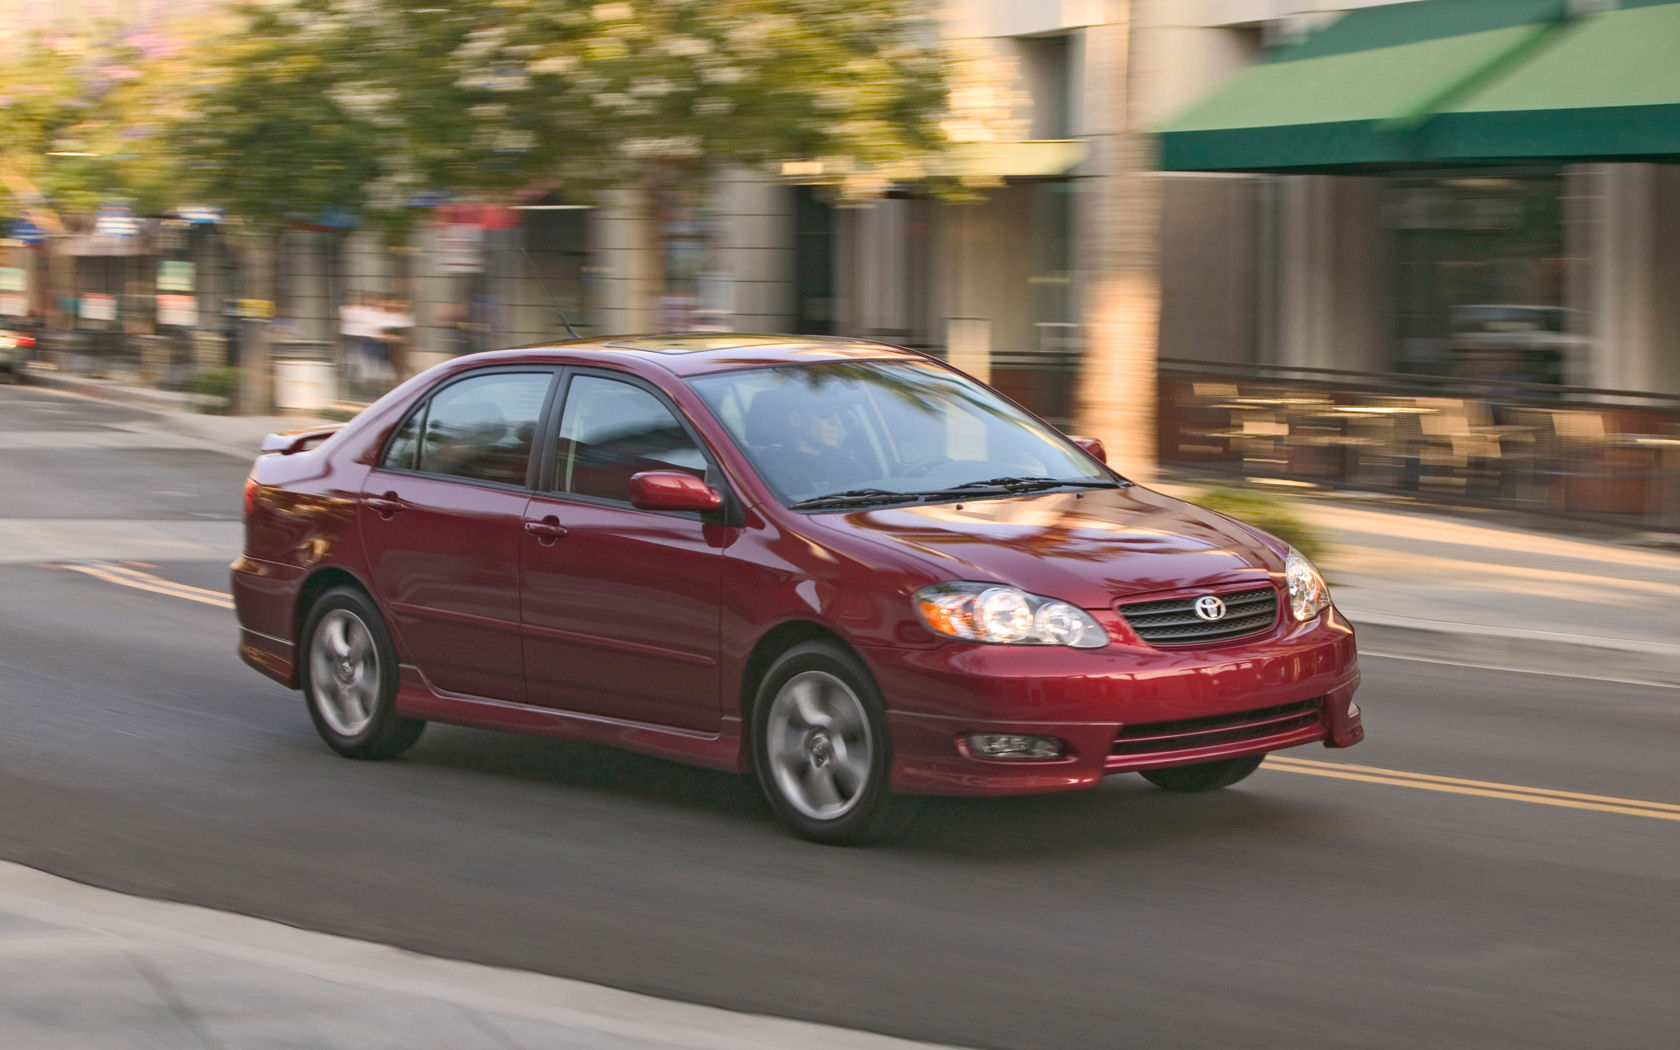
<point>1152,738</point>
<point>1175,622</point>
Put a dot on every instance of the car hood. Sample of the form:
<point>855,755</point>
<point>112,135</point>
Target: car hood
<point>1088,548</point>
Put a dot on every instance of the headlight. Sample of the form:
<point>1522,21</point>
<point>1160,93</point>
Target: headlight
<point>985,612</point>
<point>1308,593</point>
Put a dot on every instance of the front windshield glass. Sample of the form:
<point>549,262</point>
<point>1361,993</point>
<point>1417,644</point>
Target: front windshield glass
<point>887,431</point>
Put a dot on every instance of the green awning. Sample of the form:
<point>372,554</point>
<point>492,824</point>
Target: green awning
<point>1607,88</point>
<point>1435,83</point>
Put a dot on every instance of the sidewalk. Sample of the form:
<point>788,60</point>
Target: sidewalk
<point>1416,580</point>
<point>89,969</point>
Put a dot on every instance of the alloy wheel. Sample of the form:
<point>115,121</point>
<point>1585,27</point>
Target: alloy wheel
<point>344,672</point>
<point>819,745</point>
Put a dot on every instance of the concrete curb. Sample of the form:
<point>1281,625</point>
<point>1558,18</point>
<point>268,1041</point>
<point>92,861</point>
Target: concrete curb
<point>235,435</point>
<point>1602,659</point>
<point>116,391</point>
<point>595,1015</point>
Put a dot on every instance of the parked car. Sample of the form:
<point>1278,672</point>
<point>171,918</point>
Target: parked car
<point>841,565</point>
<point>1506,343</point>
<point>17,346</point>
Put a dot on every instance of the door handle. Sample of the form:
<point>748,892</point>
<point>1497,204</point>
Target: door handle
<point>385,506</point>
<point>547,530</point>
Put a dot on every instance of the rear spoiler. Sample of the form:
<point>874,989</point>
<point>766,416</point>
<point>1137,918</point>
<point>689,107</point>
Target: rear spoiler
<point>291,441</point>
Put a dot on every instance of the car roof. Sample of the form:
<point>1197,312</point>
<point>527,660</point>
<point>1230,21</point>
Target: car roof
<point>695,353</point>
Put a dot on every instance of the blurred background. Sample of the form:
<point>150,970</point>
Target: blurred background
<point>1421,247</point>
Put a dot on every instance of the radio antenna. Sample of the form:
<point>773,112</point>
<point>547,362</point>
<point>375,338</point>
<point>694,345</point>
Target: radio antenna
<point>554,298</point>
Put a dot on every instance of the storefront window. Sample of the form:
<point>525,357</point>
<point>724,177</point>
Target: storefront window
<point>1480,287</point>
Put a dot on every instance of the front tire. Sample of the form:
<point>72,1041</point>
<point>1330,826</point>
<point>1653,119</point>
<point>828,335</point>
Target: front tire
<point>1206,776</point>
<point>820,744</point>
<point>349,677</point>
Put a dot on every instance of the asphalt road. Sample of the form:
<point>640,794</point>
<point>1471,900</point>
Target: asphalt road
<point>1299,909</point>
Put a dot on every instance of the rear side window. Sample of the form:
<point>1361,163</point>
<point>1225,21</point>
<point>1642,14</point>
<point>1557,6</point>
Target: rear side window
<point>481,428</point>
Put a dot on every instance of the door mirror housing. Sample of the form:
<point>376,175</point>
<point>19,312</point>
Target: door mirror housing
<point>672,490</point>
<point>1094,447</point>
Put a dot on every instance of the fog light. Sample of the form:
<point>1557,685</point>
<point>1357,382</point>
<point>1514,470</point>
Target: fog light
<point>1013,745</point>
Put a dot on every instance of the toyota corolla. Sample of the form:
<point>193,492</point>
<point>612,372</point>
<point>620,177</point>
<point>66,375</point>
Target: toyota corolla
<point>839,565</point>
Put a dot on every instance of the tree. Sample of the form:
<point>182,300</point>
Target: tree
<point>363,104</point>
<point>84,116</point>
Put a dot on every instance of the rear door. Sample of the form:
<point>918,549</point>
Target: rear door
<point>620,606</point>
<point>442,518</point>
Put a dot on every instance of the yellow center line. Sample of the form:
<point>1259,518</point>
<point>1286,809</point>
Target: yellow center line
<point>146,577</point>
<point>153,584</point>
<point>1477,788</point>
<point>134,578</point>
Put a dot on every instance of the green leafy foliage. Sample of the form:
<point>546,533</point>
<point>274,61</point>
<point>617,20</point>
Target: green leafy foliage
<point>1275,514</point>
<point>220,384</point>
<point>361,104</point>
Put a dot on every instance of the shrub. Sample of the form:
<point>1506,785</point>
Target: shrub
<point>1266,510</point>
<point>222,383</point>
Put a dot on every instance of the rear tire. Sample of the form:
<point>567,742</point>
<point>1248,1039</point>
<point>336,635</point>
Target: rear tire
<point>1208,776</point>
<point>820,744</point>
<point>348,669</point>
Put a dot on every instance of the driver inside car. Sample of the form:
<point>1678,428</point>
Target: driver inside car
<point>818,433</point>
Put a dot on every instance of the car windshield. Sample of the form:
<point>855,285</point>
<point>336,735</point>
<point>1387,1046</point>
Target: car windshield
<point>855,433</point>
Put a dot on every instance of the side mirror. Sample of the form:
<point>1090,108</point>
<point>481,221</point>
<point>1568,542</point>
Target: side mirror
<point>1094,446</point>
<point>672,490</point>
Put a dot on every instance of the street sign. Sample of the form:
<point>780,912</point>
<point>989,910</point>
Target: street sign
<point>180,310</point>
<point>14,291</point>
<point>460,247</point>
<point>98,306</point>
<point>175,276</point>
<point>115,219</point>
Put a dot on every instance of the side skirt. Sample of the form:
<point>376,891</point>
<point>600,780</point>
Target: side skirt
<point>417,698</point>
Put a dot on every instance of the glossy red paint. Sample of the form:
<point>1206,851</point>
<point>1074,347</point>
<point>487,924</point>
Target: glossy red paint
<point>670,490</point>
<point>1094,447</point>
<point>648,624</point>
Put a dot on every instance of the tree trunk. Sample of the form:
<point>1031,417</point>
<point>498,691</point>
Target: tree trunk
<point>257,286</point>
<point>1118,380</point>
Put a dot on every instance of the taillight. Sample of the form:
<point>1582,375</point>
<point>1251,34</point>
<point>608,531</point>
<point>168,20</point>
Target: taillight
<point>251,487</point>
<point>26,341</point>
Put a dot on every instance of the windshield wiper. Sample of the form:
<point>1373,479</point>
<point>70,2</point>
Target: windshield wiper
<point>1013,485</point>
<point>855,498</point>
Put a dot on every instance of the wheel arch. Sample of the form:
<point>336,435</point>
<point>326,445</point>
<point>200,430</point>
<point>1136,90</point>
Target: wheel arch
<point>316,584</point>
<point>776,641</point>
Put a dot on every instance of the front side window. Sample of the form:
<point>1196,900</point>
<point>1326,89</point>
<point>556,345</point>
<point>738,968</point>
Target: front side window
<point>481,428</point>
<point>610,431</point>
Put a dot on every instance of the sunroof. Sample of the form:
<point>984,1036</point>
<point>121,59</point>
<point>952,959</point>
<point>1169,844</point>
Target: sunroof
<point>691,344</point>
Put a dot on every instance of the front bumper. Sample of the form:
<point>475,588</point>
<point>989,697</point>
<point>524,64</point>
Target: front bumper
<point>1176,707</point>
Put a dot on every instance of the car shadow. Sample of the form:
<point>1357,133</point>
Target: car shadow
<point>1123,814</point>
<point>578,765</point>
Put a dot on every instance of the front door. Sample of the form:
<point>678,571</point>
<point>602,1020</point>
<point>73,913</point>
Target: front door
<point>620,605</point>
<point>442,520</point>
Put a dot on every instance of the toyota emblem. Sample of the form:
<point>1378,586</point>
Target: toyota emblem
<point>1209,607</point>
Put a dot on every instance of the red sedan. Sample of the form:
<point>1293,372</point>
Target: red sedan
<point>839,564</point>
